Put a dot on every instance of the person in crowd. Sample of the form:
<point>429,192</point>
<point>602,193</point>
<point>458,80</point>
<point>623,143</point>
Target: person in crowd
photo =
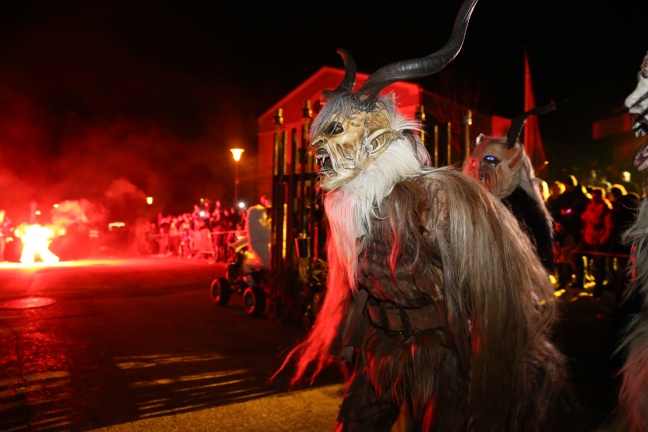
<point>153,235</point>
<point>186,247</point>
<point>604,183</point>
<point>203,243</point>
<point>218,206</point>
<point>562,272</point>
<point>198,212</point>
<point>206,209</point>
<point>567,211</point>
<point>624,210</point>
<point>229,227</point>
<point>242,215</point>
<point>628,184</point>
<point>555,190</point>
<point>163,227</point>
<point>596,232</point>
<point>219,236</point>
<point>174,236</point>
<point>435,296</point>
<point>592,178</point>
<point>236,220</point>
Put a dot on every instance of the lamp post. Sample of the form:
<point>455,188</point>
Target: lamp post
<point>236,153</point>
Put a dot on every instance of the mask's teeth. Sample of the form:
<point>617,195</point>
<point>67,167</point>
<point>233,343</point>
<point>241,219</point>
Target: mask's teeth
<point>322,158</point>
<point>639,125</point>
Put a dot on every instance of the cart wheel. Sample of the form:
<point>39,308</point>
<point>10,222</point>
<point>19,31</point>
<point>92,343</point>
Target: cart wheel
<point>220,291</point>
<point>254,300</point>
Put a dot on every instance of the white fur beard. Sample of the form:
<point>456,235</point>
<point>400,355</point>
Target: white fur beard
<point>345,228</point>
<point>350,208</point>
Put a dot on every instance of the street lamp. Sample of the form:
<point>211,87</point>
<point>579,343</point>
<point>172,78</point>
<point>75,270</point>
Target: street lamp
<point>236,152</point>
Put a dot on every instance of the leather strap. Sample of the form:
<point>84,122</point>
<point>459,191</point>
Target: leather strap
<point>405,320</point>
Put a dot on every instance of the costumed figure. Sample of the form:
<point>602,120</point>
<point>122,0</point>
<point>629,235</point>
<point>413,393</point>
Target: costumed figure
<point>256,242</point>
<point>257,228</point>
<point>502,165</point>
<point>435,297</point>
<point>633,396</point>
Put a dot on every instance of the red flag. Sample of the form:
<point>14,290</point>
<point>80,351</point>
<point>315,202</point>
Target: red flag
<point>532,141</point>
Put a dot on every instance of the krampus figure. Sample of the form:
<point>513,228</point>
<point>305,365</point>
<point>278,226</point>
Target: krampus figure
<point>633,397</point>
<point>435,296</point>
<point>503,166</point>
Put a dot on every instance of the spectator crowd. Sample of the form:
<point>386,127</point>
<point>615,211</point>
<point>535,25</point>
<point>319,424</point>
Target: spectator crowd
<point>590,215</point>
<point>206,232</point>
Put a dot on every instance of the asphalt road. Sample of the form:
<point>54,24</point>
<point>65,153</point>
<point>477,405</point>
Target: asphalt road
<point>137,345</point>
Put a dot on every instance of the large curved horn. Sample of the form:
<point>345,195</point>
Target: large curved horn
<point>518,122</point>
<point>417,68</point>
<point>349,77</point>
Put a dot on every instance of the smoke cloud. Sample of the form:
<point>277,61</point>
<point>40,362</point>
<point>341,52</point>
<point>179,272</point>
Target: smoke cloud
<point>91,113</point>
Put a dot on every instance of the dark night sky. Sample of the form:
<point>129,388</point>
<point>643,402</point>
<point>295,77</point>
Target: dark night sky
<point>156,92</point>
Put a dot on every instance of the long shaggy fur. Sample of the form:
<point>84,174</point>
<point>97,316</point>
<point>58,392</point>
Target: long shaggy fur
<point>511,311</point>
<point>633,396</point>
<point>493,367</point>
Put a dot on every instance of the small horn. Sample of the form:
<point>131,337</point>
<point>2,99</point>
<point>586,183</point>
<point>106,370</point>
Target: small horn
<point>349,77</point>
<point>518,122</point>
<point>421,67</point>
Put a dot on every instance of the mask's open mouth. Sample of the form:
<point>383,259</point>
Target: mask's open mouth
<point>640,160</point>
<point>639,124</point>
<point>324,160</point>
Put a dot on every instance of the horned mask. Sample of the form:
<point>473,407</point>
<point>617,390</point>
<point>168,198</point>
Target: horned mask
<point>350,142</point>
<point>353,129</point>
<point>637,104</point>
<point>496,165</point>
<point>497,161</point>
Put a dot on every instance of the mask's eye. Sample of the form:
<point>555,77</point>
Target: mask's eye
<point>334,128</point>
<point>492,160</point>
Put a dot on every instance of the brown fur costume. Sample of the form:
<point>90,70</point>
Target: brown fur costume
<point>632,413</point>
<point>432,285</point>
<point>440,239</point>
<point>633,397</point>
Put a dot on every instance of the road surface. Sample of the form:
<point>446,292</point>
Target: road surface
<point>137,345</point>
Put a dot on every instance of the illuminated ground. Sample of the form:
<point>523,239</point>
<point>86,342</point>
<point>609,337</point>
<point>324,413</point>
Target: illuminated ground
<point>136,344</point>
